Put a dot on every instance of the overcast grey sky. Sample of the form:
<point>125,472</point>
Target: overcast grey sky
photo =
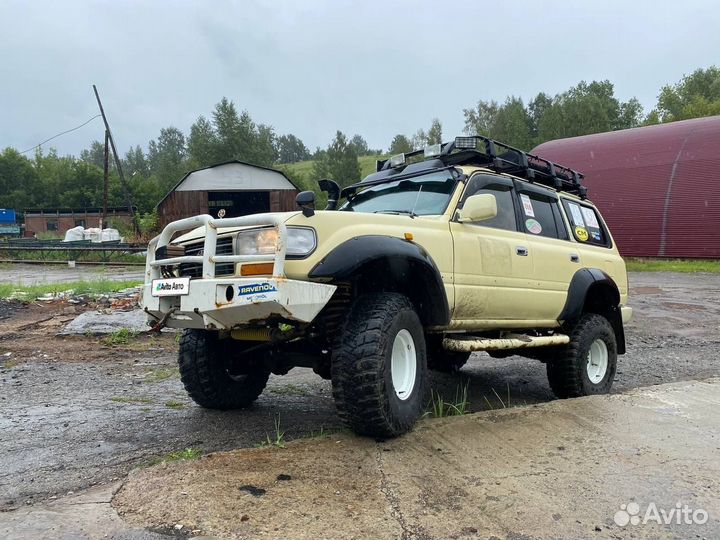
<point>310,68</point>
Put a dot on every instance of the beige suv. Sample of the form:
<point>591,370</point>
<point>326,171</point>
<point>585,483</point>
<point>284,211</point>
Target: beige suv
<point>466,246</point>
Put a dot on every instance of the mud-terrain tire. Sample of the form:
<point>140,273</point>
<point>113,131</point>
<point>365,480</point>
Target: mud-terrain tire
<point>379,366</point>
<point>442,360</point>
<point>204,372</point>
<point>587,365</point>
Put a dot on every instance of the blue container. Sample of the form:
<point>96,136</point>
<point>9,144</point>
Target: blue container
<point>7,215</point>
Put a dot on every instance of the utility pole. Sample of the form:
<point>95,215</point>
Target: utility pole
<point>106,170</point>
<point>118,165</point>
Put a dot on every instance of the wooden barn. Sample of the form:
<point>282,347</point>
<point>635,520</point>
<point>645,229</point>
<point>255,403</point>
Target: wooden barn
<point>230,189</point>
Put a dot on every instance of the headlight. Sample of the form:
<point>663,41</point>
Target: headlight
<point>301,241</point>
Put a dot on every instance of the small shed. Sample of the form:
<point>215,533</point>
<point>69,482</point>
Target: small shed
<point>657,186</point>
<point>229,189</point>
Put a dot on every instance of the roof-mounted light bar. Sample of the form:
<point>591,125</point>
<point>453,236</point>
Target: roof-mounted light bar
<point>397,160</point>
<point>433,150</point>
<point>465,143</point>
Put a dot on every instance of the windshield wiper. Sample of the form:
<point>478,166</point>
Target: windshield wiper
<point>408,212</point>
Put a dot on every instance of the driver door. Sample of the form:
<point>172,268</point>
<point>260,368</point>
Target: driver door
<point>493,267</point>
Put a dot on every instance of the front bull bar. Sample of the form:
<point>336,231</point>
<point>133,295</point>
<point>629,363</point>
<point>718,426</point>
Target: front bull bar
<point>209,258</point>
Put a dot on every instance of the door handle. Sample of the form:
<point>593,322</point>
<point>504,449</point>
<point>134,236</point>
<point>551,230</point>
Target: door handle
<point>574,257</point>
<point>522,251</point>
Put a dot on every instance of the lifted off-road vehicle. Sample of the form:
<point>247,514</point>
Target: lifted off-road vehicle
<point>470,245</point>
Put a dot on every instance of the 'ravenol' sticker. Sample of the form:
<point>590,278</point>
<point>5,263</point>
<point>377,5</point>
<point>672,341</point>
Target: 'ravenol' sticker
<point>581,234</point>
<point>255,288</point>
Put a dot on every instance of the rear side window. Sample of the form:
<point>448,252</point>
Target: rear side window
<point>541,216</point>
<point>585,224</point>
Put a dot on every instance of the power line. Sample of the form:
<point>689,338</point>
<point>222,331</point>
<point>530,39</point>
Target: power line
<point>63,133</point>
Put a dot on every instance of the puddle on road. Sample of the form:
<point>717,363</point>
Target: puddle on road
<point>645,290</point>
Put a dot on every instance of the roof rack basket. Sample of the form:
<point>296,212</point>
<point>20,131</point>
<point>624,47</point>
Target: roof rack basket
<point>500,157</point>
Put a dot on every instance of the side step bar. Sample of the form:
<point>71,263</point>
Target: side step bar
<point>510,341</point>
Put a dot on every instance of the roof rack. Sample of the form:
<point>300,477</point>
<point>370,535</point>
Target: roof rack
<point>495,155</point>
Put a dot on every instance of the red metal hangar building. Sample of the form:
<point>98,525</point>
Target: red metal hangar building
<point>658,187</point>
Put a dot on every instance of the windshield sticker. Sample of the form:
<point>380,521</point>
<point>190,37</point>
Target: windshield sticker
<point>533,226</point>
<point>596,236</point>
<point>576,215</point>
<point>581,234</point>
<point>527,206</point>
<point>590,218</point>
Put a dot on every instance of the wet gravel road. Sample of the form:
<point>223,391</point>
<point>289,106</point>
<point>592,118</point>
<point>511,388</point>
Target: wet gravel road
<point>75,412</point>
<point>35,274</point>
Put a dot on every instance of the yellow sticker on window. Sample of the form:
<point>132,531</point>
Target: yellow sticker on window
<point>581,234</point>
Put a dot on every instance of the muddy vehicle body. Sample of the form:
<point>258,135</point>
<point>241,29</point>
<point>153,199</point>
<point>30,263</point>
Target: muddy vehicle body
<point>465,246</point>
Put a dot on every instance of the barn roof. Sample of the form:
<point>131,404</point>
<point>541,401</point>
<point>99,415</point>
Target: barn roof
<point>233,175</point>
<point>657,186</point>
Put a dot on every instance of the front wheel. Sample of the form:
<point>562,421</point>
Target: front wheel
<point>379,367</point>
<point>212,375</point>
<point>588,363</point>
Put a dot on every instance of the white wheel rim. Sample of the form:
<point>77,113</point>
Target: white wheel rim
<point>403,364</point>
<point>597,361</point>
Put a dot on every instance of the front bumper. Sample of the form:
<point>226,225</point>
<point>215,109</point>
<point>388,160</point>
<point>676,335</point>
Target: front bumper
<point>226,303</point>
<point>626,312</point>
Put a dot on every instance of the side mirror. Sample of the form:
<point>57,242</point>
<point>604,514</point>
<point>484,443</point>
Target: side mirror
<point>306,201</point>
<point>478,208</point>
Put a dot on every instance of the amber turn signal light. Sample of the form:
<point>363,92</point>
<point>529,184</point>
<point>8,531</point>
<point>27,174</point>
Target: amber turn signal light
<point>256,269</point>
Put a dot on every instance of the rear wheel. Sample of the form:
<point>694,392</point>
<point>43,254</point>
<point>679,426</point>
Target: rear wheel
<point>588,364</point>
<point>212,375</point>
<point>379,370</point>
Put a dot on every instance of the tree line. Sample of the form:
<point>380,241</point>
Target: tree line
<point>48,180</point>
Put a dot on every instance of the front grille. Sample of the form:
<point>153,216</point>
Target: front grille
<point>193,270</point>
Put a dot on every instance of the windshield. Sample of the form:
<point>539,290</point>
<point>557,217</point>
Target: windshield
<point>421,195</point>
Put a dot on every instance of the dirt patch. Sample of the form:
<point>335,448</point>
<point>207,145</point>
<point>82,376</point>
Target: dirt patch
<point>246,485</point>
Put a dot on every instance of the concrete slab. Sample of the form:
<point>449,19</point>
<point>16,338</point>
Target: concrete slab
<point>95,322</point>
<point>567,469</point>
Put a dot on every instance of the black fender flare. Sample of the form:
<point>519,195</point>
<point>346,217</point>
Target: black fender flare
<point>583,281</point>
<point>401,257</point>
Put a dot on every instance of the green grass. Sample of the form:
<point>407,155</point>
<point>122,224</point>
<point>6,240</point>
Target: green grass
<point>64,256</point>
<point>182,455</point>
<point>277,439</point>
<point>439,408</point>
<point>119,337</point>
<point>305,168</point>
<point>672,265</point>
<point>162,374</point>
<point>172,404</point>
<point>79,288</point>
<point>131,399</point>
<point>9,363</point>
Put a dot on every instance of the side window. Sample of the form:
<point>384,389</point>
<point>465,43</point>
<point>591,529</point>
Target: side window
<point>503,192</point>
<point>585,224</point>
<point>541,216</point>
